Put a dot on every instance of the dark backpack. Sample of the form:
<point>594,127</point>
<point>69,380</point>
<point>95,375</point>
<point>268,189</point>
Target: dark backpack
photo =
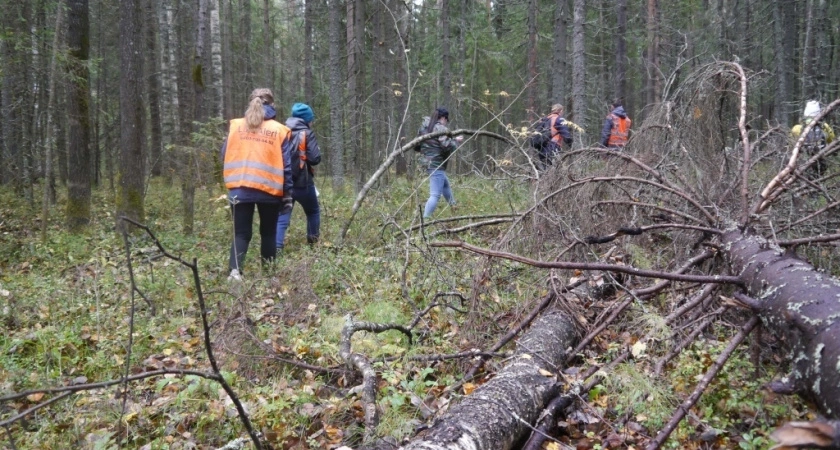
<point>540,134</point>
<point>815,139</point>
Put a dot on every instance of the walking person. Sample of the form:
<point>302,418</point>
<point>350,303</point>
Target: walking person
<point>435,157</point>
<point>557,133</point>
<point>305,154</point>
<point>820,135</point>
<point>258,175</point>
<point>616,130</point>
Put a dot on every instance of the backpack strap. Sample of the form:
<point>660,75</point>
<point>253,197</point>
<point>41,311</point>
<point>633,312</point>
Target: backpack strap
<point>302,149</point>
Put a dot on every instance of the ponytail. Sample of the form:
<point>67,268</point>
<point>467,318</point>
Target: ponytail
<point>255,114</point>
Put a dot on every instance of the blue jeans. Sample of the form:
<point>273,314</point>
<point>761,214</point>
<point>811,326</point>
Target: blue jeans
<point>438,185</point>
<point>309,202</point>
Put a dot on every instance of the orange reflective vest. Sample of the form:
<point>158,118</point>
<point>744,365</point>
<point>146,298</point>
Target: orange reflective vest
<point>254,159</point>
<point>555,136</point>
<point>620,131</point>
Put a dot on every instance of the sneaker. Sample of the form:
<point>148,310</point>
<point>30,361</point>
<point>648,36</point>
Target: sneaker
<point>235,275</point>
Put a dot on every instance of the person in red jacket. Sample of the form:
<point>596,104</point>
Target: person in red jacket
<point>616,128</point>
<point>258,174</point>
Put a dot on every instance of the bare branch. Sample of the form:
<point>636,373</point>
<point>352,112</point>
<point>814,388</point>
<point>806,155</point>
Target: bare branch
<point>723,279</point>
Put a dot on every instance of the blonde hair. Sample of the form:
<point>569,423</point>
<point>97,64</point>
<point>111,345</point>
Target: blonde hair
<point>254,115</point>
<point>557,108</point>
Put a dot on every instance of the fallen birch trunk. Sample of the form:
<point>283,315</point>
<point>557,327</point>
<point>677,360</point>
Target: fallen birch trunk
<point>800,303</point>
<point>501,412</point>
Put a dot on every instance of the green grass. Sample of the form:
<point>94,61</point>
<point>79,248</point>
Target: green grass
<point>65,306</point>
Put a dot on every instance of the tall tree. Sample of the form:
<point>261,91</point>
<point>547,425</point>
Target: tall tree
<point>560,55</point>
<point>355,84</point>
<point>783,54</point>
<point>152,66</point>
<point>336,137</point>
<point>131,198</point>
<point>77,213</point>
<point>216,57</point>
<point>445,55</point>
<point>621,49</point>
<point>308,81</point>
<point>654,80</point>
<point>532,57</point>
<point>49,187</point>
<point>579,62</point>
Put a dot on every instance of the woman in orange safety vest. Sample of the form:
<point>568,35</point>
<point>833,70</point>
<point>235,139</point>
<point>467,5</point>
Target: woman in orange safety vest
<point>258,174</point>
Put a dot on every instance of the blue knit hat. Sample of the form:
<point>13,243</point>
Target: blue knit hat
<point>303,111</point>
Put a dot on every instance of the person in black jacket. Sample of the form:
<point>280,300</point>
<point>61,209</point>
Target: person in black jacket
<point>305,154</point>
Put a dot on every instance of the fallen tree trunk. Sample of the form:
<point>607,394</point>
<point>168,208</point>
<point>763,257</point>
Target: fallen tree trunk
<point>800,303</point>
<point>500,413</point>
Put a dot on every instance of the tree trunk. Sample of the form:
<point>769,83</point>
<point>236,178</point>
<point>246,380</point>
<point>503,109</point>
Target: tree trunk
<point>308,78</point>
<point>621,50</point>
<point>800,302</point>
<point>132,117</point>
<point>560,55</point>
<point>228,111</point>
<point>336,139</point>
<point>492,416</point>
<point>49,195</point>
<point>445,55</point>
<point>578,64</point>
<point>807,75</point>
<point>216,57</point>
<point>152,67</point>
<point>654,78</point>
<point>268,46</point>
<point>77,213</point>
<point>531,98</point>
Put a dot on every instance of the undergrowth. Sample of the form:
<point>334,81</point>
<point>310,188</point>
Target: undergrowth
<point>67,303</point>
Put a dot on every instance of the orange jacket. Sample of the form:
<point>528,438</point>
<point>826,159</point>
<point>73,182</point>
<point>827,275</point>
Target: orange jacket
<point>620,131</point>
<point>254,159</point>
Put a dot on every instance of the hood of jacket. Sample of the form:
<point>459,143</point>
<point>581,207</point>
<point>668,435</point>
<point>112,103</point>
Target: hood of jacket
<point>269,112</point>
<point>296,124</point>
<point>619,111</point>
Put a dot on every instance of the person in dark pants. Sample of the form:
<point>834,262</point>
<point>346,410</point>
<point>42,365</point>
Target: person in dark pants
<point>305,155</point>
<point>616,130</point>
<point>559,134</point>
<point>258,175</point>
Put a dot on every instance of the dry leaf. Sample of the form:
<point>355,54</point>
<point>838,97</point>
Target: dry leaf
<point>546,373</point>
<point>469,388</point>
<point>36,397</point>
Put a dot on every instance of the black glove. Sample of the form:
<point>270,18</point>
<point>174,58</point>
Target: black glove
<point>287,204</point>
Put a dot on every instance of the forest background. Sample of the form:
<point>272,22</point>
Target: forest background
<point>113,109</point>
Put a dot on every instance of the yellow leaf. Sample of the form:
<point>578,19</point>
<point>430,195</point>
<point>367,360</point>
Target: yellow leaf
<point>167,351</point>
<point>546,373</point>
<point>469,388</point>
<point>129,417</point>
<point>552,446</point>
<point>36,397</point>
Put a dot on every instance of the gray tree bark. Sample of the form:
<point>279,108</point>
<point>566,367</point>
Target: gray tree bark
<point>798,301</point>
<point>560,55</point>
<point>77,213</point>
<point>336,137</point>
<point>153,89</point>
<point>578,64</point>
<point>131,201</point>
<point>497,414</point>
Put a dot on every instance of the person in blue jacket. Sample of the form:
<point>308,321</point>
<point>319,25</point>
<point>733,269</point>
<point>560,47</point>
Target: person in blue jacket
<point>305,154</point>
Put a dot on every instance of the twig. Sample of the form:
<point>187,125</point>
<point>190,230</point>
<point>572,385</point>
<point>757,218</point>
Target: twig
<point>683,409</point>
<point>208,348</point>
<point>809,240</point>
<point>660,364</point>
<point>722,279</point>
<point>547,422</point>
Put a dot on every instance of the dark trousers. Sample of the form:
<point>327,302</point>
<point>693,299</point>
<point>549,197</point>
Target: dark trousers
<point>243,223</point>
<point>308,199</point>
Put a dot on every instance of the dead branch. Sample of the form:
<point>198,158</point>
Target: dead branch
<point>361,363</point>
<point>722,279</point>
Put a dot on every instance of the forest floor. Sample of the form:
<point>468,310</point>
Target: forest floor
<point>66,310</point>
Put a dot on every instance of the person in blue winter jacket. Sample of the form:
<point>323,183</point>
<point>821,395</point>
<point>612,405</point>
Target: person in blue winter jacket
<point>305,154</point>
